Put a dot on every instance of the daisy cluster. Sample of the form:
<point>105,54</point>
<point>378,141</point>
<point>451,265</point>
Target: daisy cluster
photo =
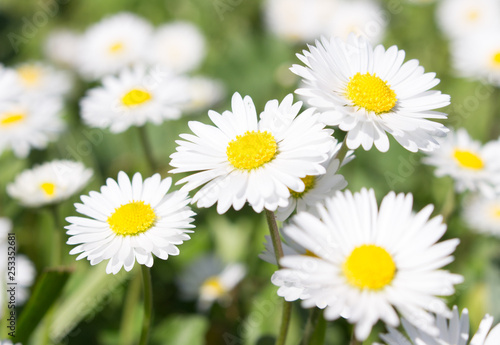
<point>301,21</point>
<point>473,29</point>
<point>31,102</point>
<point>140,67</point>
<point>353,255</point>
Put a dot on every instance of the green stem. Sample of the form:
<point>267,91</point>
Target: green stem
<point>342,151</point>
<point>148,304</point>
<point>128,315</point>
<point>275,236</point>
<point>312,321</point>
<point>147,149</point>
<point>56,257</point>
<point>448,204</point>
<point>278,252</point>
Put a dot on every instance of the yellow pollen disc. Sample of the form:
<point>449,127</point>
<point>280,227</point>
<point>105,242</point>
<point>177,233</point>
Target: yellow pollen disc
<point>468,160</point>
<point>132,218</point>
<point>48,188</point>
<point>135,97</point>
<point>496,59</point>
<point>11,118</point>
<point>472,15</point>
<point>212,287</point>
<point>495,211</point>
<point>116,48</point>
<point>30,75</point>
<point>369,267</point>
<point>309,181</point>
<point>371,93</point>
<point>251,150</point>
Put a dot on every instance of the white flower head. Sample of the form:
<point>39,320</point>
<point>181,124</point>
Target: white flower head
<point>49,183</point>
<point>27,123</point>
<point>41,80</point>
<point>459,18</point>
<point>369,92</point>
<point>478,56</point>
<point>208,280</point>
<point>130,221</point>
<point>10,84</point>
<point>367,262</point>
<point>203,93</point>
<point>317,188</point>
<point>178,46</point>
<point>298,20</point>
<point>112,44</point>
<point>452,332</point>
<point>61,47</point>
<point>362,17</point>
<point>246,159</point>
<point>483,214</point>
<point>473,167</point>
<point>134,97</point>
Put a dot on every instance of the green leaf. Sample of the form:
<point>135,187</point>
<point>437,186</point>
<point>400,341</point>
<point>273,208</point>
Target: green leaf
<point>84,299</point>
<point>46,291</point>
<point>181,330</point>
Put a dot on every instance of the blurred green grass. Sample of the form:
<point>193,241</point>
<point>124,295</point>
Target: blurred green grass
<point>246,58</point>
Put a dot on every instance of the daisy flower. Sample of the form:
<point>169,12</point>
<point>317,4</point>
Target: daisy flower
<point>134,97</point>
<point>61,47</point>
<point>452,332</point>
<point>366,262</point>
<point>243,158</point>
<point>49,183</point>
<point>297,20</point>
<point>473,167</point>
<point>41,80</point>
<point>113,44</point>
<point>483,214</point>
<point>27,124</point>
<point>362,17</point>
<point>370,91</point>
<point>129,221</point>
<point>10,85</point>
<point>209,280</point>
<point>317,188</point>
<point>459,18</point>
<point>178,46</point>
<point>478,56</point>
<point>203,93</point>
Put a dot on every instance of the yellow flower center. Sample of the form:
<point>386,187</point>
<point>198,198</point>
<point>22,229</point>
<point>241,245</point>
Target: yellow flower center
<point>496,59</point>
<point>309,182</point>
<point>371,93</point>
<point>132,219</point>
<point>48,188</point>
<point>495,211</point>
<point>135,97</point>
<point>472,15</point>
<point>212,287</point>
<point>11,118</point>
<point>469,160</point>
<point>251,150</point>
<point>30,75</point>
<point>116,48</point>
<point>369,267</point>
